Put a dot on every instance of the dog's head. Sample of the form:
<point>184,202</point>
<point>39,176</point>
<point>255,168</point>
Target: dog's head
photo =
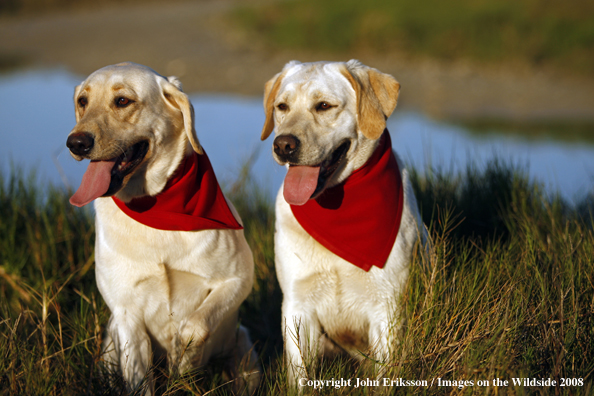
<point>134,125</point>
<point>327,118</point>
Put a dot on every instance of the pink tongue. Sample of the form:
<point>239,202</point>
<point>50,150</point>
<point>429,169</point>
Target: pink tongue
<point>94,184</point>
<point>300,184</point>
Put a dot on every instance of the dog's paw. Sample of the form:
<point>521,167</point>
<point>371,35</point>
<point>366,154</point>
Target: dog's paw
<point>186,348</point>
<point>193,334</point>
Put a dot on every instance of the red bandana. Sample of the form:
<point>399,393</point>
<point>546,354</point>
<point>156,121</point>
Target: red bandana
<point>191,201</point>
<point>359,219</point>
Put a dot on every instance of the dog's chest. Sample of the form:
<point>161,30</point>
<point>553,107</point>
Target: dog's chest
<point>146,267</point>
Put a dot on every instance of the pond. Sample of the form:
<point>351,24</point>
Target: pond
<point>37,113</point>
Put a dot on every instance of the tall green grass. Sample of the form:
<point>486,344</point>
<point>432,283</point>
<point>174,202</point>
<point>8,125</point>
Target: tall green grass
<point>507,291</point>
<point>557,32</point>
<point>51,315</point>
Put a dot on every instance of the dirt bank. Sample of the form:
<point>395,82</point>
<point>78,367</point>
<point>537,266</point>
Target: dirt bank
<point>189,39</point>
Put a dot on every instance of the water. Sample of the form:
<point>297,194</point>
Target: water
<point>37,113</point>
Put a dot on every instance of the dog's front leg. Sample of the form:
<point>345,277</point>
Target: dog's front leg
<point>195,330</point>
<point>382,336</point>
<point>301,333</point>
<point>132,348</point>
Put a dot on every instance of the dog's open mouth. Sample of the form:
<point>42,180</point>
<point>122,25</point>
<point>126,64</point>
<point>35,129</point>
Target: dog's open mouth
<point>125,164</point>
<point>305,182</point>
<point>106,177</point>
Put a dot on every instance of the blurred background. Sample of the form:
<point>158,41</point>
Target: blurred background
<point>512,79</point>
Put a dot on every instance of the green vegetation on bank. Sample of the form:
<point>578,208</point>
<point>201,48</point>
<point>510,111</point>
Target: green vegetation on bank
<point>554,32</point>
<point>507,292</point>
<point>35,7</point>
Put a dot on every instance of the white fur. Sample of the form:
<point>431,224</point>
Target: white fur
<point>327,301</point>
<point>170,292</point>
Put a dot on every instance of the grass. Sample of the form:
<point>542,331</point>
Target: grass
<point>507,293</point>
<point>554,32</point>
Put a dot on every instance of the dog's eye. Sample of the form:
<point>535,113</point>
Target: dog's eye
<point>82,101</point>
<point>282,106</point>
<point>323,106</point>
<point>122,102</point>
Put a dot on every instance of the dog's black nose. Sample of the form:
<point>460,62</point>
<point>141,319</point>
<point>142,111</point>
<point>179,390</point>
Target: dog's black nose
<point>80,143</point>
<point>286,146</point>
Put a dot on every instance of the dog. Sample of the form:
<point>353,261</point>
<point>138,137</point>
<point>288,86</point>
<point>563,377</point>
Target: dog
<point>172,262</point>
<point>347,220</point>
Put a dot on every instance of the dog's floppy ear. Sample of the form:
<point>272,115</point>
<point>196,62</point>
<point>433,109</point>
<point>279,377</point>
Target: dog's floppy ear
<point>270,91</point>
<point>173,95</point>
<point>377,95</point>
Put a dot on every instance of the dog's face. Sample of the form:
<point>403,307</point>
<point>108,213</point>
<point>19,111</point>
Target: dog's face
<point>134,125</point>
<point>327,118</point>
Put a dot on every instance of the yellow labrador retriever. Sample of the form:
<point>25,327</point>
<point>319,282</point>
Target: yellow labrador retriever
<point>172,262</point>
<point>346,216</point>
